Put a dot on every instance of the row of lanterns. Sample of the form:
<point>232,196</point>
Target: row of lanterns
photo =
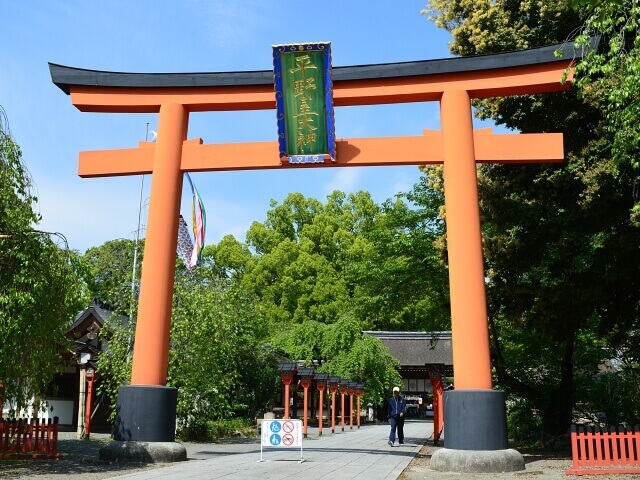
<point>288,372</point>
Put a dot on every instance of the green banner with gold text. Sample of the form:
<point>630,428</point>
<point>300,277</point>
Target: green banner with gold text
<point>304,103</point>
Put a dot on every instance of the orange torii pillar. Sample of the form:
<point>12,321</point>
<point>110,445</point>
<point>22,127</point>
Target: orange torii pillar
<point>287,373</point>
<point>91,378</point>
<point>474,414</point>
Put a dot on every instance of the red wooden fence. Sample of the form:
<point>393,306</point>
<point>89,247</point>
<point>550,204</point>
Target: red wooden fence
<point>29,439</point>
<point>597,452</point>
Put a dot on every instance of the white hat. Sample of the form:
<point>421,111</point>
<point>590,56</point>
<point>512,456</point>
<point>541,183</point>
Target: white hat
<point>396,389</point>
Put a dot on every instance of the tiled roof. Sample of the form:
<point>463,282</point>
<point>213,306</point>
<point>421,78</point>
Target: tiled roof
<point>416,349</point>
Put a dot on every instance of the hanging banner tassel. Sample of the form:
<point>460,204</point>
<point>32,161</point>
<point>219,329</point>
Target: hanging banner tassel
<point>185,244</point>
<point>199,223</point>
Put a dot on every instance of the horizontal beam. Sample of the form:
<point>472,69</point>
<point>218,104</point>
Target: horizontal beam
<point>426,149</point>
<point>539,78</point>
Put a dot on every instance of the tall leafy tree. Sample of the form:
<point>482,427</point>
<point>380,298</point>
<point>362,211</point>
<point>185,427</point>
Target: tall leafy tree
<point>39,289</point>
<point>558,241</point>
<point>350,256</point>
<point>324,272</point>
<point>217,358</point>
<point>109,272</point>
<point>609,77</point>
<point>400,281</point>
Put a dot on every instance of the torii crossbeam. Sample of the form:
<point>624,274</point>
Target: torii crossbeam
<point>477,420</point>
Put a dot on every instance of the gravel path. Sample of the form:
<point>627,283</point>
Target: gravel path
<point>81,461</point>
<point>538,466</point>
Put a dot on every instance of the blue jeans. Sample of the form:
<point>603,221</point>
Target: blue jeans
<point>397,423</point>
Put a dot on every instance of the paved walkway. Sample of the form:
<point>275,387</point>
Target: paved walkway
<point>358,453</point>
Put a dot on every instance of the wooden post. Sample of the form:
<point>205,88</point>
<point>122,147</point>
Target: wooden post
<point>82,399</point>
<point>343,391</point>
<point>286,401</point>
<point>304,410</point>
<point>90,374</point>
<point>321,387</point>
<point>333,410</point>
<point>438,412</point>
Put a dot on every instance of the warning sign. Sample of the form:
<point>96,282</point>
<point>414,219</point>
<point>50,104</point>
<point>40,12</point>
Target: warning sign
<point>281,433</point>
<point>288,427</point>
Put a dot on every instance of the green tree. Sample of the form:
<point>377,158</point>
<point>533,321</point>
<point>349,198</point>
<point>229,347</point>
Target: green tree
<point>341,349</point>
<point>109,273</point>
<point>39,289</point>
<point>399,279</point>
<point>217,358</point>
<point>107,270</point>
<point>360,358</point>
<point>609,77</point>
<point>349,256</point>
<point>322,273</point>
<point>558,242</point>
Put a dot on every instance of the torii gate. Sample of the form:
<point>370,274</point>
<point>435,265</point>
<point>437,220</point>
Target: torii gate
<point>477,413</point>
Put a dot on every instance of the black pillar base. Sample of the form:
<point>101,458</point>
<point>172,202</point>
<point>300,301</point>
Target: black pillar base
<point>475,420</point>
<point>146,414</point>
<point>475,434</point>
<point>143,452</point>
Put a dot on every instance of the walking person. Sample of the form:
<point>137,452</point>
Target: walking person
<point>397,409</point>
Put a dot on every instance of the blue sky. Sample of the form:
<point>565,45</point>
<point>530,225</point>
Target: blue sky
<point>194,36</point>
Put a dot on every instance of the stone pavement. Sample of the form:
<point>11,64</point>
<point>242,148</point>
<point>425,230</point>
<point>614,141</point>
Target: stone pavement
<point>357,453</point>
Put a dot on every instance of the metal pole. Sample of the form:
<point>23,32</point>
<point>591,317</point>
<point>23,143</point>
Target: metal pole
<point>135,249</point>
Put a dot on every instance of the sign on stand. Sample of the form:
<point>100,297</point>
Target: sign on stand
<point>281,434</point>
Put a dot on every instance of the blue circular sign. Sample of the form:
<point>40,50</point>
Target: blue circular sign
<point>274,439</point>
<point>275,427</point>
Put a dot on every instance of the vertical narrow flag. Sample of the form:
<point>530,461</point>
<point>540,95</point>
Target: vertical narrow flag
<point>199,223</point>
<point>185,244</point>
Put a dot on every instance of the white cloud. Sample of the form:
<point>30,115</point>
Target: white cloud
<point>402,181</point>
<point>345,179</point>
<point>88,212</point>
<point>233,24</point>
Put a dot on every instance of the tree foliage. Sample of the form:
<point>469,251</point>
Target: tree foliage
<point>609,77</point>
<point>558,241</point>
<point>317,262</point>
<point>39,288</point>
<point>310,278</point>
<point>325,272</point>
<point>108,273</point>
<point>218,361</point>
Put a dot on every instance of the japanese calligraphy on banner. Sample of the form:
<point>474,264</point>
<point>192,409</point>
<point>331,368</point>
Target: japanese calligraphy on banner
<point>281,433</point>
<point>304,102</point>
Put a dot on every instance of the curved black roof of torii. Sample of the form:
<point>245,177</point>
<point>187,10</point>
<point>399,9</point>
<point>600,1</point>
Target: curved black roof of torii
<point>65,77</point>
